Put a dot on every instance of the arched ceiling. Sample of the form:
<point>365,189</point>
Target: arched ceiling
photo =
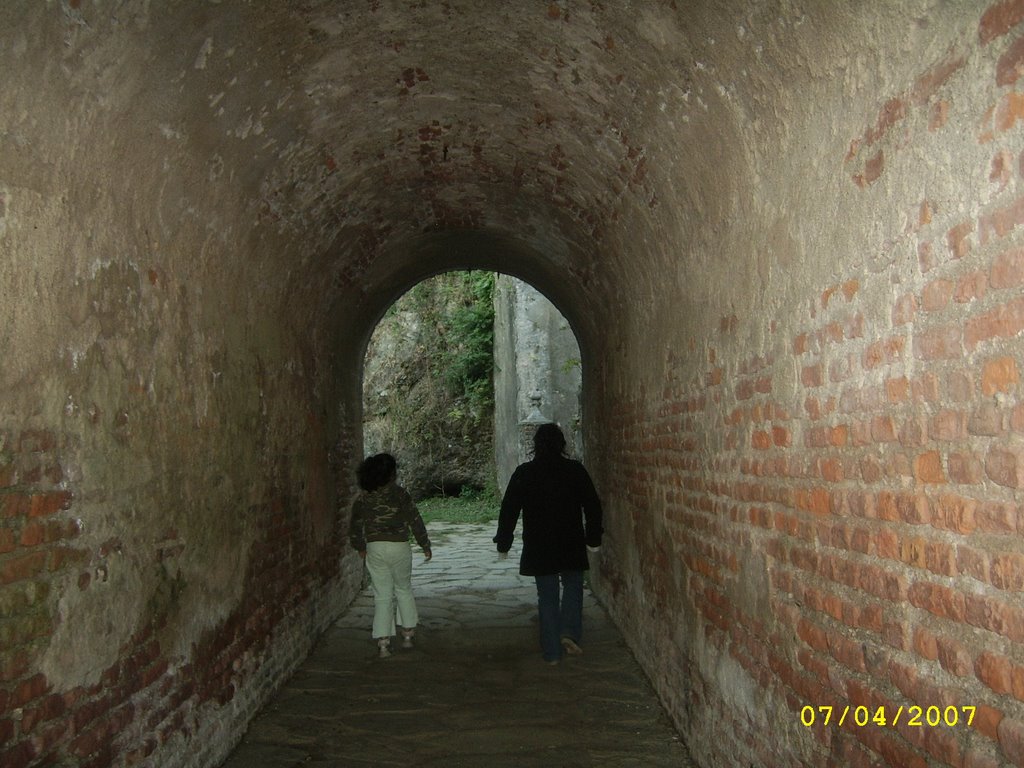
<point>361,124</point>
<point>316,150</point>
<point>522,120</point>
<point>371,133</point>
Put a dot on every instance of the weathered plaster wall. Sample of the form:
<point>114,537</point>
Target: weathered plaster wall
<point>786,236</point>
<point>169,538</point>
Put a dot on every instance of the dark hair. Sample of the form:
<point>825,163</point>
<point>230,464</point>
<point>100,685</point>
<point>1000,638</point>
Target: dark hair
<point>376,471</point>
<point>548,441</point>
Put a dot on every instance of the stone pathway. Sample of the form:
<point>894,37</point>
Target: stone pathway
<point>474,691</point>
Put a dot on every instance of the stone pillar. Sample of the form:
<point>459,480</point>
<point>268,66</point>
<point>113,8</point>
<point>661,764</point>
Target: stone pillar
<point>537,374</point>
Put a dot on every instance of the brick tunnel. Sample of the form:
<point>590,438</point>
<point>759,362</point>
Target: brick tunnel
<point>788,236</point>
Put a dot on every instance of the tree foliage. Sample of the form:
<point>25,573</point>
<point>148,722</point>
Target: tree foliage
<point>468,359</point>
<point>434,405</point>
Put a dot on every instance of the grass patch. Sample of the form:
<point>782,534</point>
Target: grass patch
<point>471,507</point>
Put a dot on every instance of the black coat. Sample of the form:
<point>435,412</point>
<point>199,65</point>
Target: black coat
<point>561,515</point>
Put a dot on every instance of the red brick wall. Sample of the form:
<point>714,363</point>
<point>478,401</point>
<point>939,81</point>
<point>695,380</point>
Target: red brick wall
<point>839,520</point>
<point>150,703</point>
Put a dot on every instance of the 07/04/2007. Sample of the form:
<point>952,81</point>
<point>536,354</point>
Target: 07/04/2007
<point>862,716</point>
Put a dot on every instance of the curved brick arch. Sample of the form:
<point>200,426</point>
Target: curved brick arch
<point>450,252</point>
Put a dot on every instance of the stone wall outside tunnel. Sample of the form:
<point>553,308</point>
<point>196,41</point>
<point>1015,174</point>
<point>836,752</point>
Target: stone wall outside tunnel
<point>814,493</point>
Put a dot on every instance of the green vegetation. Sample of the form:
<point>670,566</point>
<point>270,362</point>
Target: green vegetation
<point>458,308</point>
<point>431,398</point>
<point>467,362</point>
<point>470,506</point>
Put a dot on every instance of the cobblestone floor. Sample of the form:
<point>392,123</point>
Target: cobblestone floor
<point>473,692</point>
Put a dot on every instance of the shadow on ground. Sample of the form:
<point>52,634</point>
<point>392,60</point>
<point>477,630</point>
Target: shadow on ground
<point>473,691</point>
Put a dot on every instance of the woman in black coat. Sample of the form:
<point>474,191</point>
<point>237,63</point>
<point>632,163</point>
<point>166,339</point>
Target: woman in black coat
<point>561,521</point>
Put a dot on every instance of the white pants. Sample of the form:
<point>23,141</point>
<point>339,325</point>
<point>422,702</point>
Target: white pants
<point>390,567</point>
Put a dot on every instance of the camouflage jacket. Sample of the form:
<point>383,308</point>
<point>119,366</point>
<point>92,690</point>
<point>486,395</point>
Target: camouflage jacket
<point>386,514</point>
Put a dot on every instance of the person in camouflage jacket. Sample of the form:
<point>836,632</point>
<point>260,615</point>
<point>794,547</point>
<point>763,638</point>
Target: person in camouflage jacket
<point>383,516</point>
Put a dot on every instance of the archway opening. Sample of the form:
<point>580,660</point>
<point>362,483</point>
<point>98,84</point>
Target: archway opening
<point>457,374</point>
